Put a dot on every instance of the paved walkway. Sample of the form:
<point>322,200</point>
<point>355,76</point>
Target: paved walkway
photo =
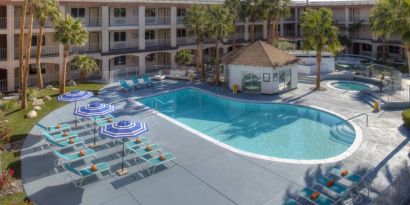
<point>204,172</point>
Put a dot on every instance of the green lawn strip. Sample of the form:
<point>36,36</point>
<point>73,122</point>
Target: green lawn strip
<point>21,126</point>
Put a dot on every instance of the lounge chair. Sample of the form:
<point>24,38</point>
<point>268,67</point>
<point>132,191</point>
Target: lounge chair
<point>63,144</point>
<point>106,121</point>
<point>142,81</point>
<point>136,82</point>
<point>72,157</point>
<point>336,187</point>
<point>142,151</point>
<point>322,199</point>
<point>291,202</point>
<point>148,81</point>
<point>59,137</point>
<point>58,128</point>
<point>133,145</point>
<point>125,86</point>
<point>83,173</point>
<point>154,162</point>
<point>355,180</point>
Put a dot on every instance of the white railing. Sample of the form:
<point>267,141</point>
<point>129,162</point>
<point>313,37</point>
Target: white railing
<point>3,54</point>
<point>209,40</point>
<point>123,74</point>
<point>154,69</point>
<point>90,22</point>
<point>186,40</point>
<point>157,20</point>
<point>3,85</point>
<point>239,36</point>
<point>124,21</point>
<point>180,19</point>
<point>87,48</point>
<point>47,24</point>
<point>396,93</point>
<point>3,22</point>
<point>46,51</point>
<point>123,45</point>
<point>157,43</point>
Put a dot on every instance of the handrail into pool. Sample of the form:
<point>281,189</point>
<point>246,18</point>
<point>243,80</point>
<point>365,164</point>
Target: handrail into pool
<point>356,116</point>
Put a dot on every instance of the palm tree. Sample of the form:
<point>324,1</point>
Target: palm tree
<point>44,9</point>
<point>69,32</point>
<point>234,7</point>
<point>85,64</point>
<point>277,9</point>
<point>320,35</point>
<point>26,65</point>
<point>196,22</point>
<point>252,8</point>
<point>380,26</point>
<point>219,29</point>
<point>21,41</point>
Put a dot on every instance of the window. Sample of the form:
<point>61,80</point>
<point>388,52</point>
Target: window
<point>181,33</point>
<point>78,12</point>
<point>394,50</point>
<point>120,36</point>
<point>354,14</point>
<point>149,35</point>
<point>34,41</point>
<point>366,47</point>
<point>150,12</point>
<point>181,12</point>
<point>120,60</point>
<point>33,68</point>
<point>120,12</point>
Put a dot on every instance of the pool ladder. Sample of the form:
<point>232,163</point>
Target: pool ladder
<point>354,117</point>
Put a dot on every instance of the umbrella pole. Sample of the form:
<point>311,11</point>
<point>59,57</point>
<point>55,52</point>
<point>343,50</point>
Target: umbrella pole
<point>75,107</point>
<point>123,154</point>
<point>94,131</point>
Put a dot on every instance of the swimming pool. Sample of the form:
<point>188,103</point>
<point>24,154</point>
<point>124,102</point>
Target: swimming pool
<point>270,130</point>
<point>351,86</point>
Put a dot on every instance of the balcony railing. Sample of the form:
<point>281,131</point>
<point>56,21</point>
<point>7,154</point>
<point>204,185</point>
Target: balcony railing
<point>3,54</point>
<point>259,35</point>
<point>46,51</point>
<point>87,48</point>
<point>186,40</point>
<point>157,43</point>
<point>123,74</point>
<point>180,19</point>
<point>155,69</point>
<point>3,22</point>
<point>157,20</point>
<point>91,21</point>
<point>123,45</point>
<point>124,22</point>
<point>239,36</point>
<point>47,24</point>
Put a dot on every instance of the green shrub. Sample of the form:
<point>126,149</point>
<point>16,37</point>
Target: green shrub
<point>406,117</point>
<point>5,128</point>
<point>9,105</point>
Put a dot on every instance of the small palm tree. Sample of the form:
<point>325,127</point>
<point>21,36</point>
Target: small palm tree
<point>69,32</point>
<point>26,65</point>
<point>251,9</point>
<point>21,42</point>
<point>380,25</point>
<point>196,22</point>
<point>85,64</point>
<point>219,29</point>
<point>43,10</point>
<point>183,57</point>
<point>320,35</point>
<point>277,9</point>
<point>234,7</point>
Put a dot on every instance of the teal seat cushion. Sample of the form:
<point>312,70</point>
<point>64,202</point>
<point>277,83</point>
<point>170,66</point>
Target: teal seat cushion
<point>321,200</point>
<point>100,168</point>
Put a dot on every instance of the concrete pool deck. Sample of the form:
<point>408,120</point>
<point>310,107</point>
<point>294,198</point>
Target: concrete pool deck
<point>204,172</point>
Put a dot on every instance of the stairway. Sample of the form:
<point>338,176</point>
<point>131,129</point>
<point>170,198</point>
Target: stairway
<point>343,132</point>
<point>369,99</point>
<point>306,79</point>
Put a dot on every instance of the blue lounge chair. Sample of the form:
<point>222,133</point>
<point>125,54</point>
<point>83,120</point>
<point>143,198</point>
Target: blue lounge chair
<point>72,157</point>
<point>291,202</point>
<point>136,82</point>
<point>59,128</point>
<point>156,161</point>
<point>125,86</point>
<point>133,145</point>
<point>352,177</point>
<point>59,137</point>
<point>63,144</point>
<point>83,173</point>
<point>337,187</point>
<point>148,81</point>
<point>322,199</point>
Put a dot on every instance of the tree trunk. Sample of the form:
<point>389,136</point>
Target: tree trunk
<point>40,84</point>
<point>274,26</point>
<point>201,61</point>
<point>21,42</point>
<point>64,71</point>
<point>82,76</point>
<point>253,19</point>
<point>384,49</point>
<point>318,61</point>
<point>234,35</point>
<point>26,66</point>
<point>269,28</point>
<point>407,45</point>
<point>197,55</point>
<point>217,77</point>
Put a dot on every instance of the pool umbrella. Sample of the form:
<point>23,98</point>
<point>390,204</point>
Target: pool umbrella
<point>74,96</point>
<point>121,130</point>
<point>94,109</point>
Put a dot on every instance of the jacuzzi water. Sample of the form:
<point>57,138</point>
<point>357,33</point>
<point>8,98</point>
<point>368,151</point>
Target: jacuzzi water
<point>268,129</point>
<point>344,85</point>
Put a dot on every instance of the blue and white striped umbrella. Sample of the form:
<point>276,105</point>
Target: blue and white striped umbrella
<point>74,96</point>
<point>94,109</point>
<point>123,129</point>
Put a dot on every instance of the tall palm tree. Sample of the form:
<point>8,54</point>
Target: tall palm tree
<point>251,9</point>
<point>85,64</point>
<point>26,65</point>
<point>277,9</point>
<point>320,35</point>
<point>69,32</point>
<point>380,25</point>
<point>21,42</point>
<point>234,7</point>
<point>43,10</point>
<point>196,22</point>
<point>219,29</point>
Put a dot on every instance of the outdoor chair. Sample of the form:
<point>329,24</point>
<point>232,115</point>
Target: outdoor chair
<point>125,86</point>
<point>63,144</point>
<point>321,199</point>
<point>136,82</point>
<point>142,151</point>
<point>83,173</point>
<point>133,145</point>
<point>339,189</point>
<point>148,81</point>
<point>142,81</point>
<point>72,157</point>
<point>59,137</point>
<point>154,162</point>
<point>356,181</point>
<point>58,128</point>
<point>291,202</point>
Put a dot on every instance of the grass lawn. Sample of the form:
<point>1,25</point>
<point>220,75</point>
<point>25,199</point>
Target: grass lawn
<point>21,126</point>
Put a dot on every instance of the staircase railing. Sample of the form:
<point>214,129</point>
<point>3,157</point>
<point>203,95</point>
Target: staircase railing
<point>155,103</point>
<point>356,116</point>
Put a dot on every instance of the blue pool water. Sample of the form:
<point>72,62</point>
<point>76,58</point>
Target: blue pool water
<point>274,130</point>
<point>350,86</point>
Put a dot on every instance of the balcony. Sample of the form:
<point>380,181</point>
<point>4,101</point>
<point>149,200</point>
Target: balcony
<point>91,21</point>
<point>152,43</point>
<point>87,48</point>
<point>124,22</point>
<point>47,24</point>
<point>186,40</point>
<point>3,22</point>
<point>157,20</point>
<point>239,36</point>
<point>46,51</point>
<point>118,45</point>
<point>180,19</point>
<point>3,54</point>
